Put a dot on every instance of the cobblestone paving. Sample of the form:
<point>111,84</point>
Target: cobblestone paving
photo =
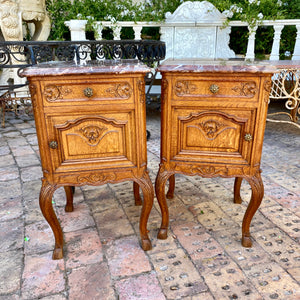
<point>202,257</point>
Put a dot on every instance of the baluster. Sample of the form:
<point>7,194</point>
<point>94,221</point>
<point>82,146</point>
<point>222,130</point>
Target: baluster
<point>250,55</point>
<point>117,32</point>
<point>98,27</point>
<point>276,42</point>
<point>137,32</point>
<point>77,29</point>
<point>296,54</point>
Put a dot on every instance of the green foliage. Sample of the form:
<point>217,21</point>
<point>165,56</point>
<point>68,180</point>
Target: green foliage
<point>251,11</point>
<point>292,8</point>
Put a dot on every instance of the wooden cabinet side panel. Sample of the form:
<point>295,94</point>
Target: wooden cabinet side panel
<point>260,124</point>
<point>41,128</point>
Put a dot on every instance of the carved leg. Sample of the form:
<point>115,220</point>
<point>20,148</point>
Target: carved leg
<point>160,183</point>
<point>256,198</point>
<point>69,195</point>
<point>170,193</point>
<point>46,194</point>
<point>146,185</point>
<point>237,190</point>
<point>137,197</point>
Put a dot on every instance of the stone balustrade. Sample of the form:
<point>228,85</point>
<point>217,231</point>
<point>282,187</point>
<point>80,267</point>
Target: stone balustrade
<point>79,32</point>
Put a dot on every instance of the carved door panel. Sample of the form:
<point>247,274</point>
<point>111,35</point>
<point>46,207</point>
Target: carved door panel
<point>213,136</point>
<point>91,141</point>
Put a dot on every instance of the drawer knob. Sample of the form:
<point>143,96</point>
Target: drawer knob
<point>53,145</point>
<point>88,92</point>
<point>248,137</point>
<point>214,88</point>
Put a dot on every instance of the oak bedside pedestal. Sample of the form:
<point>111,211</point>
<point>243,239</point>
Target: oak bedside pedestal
<point>212,124</point>
<point>91,129</point>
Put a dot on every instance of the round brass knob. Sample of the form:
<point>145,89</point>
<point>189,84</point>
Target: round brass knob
<point>214,88</point>
<point>53,145</point>
<point>248,137</point>
<point>88,92</point>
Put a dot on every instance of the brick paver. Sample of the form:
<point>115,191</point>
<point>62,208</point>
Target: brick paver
<point>202,258</point>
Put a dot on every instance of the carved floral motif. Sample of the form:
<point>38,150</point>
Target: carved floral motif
<point>204,171</point>
<point>184,87</point>
<point>141,86</point>
<point>98,178</point>
<point>32,89</point>
<point>209,171</point>
<point>267,88</point>
<point>92,133</point>
<point>53,92</point>
<point>120,90</point>
<point>212,128</point>
<point>247,89</point>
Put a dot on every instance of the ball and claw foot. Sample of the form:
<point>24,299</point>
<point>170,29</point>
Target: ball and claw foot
<point>246,241</point>
<point>146,244</point>
<point>162,234</point>
<point>57,253</point>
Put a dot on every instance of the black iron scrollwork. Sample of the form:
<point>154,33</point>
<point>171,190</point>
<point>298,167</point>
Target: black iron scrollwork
<point>23,54</point>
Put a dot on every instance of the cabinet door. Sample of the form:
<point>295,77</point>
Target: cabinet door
<point>87,142</point>
<point>223,136</point>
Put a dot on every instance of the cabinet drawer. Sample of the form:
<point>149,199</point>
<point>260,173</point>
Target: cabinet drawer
<point>191,88</point>
<point>224,136</point>
<point>87,92</point>
<point>87,142</point>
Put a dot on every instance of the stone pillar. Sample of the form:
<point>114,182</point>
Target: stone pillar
<point>77,29</point>
<point>276,42</point>
<point>296,54</point>
<point>250,55</point>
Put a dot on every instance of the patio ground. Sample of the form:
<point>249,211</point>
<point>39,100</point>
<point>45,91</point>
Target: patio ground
<point>202,257</point>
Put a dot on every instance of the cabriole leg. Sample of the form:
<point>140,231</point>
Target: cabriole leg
<point>256,198</point>
<point>145,184</point>
<point>136,192</point>
<point>46,194</point>
<point>170,193</point>
<point>237,190</point>
<point>69,195</point>
<point>160,183</point>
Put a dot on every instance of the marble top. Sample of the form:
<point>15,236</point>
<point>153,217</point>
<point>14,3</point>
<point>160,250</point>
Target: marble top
<point>226,66</point>
<point>57,68</point>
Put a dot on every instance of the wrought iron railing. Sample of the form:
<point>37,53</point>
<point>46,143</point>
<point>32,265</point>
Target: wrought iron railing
<point>23,54</point>
<point>18,55</point>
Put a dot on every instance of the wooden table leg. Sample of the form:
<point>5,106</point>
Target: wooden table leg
<point>136,192</point>
<point>256,198</point>
<point>147,188</point>
<point>69,195</point>
<point>46,194</point>
<point>237,190</point>
<point>170,193</point>
<point>160,183</point>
